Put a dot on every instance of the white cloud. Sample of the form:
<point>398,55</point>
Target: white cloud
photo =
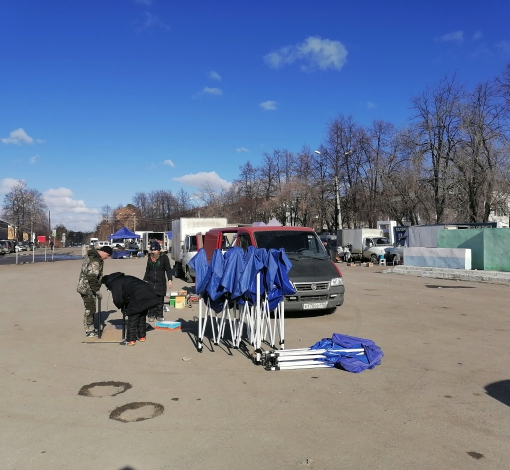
<point>268,105</point>
<point>33,159</point>
<point>313,53</point>
<point>18,137</point>
<point>214,75</point>
<point>241,150</point>
<point>477,35</point>
<point>204,179</point>
<point>212,91</point>
<point>7,184</point>
<point>61,201</point>
<point>70,212</point>
<point>455,36</point>
<point>370,104</point>
<point>169,163</point>
<point>207,91</point>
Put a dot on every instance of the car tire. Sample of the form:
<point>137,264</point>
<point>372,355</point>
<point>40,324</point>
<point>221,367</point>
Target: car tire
<point>374,259</point>
<point>187,275</point>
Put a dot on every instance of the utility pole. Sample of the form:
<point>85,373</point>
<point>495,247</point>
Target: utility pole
<point>338,214</point>
<point>49,224</point>
<point>134,222</point>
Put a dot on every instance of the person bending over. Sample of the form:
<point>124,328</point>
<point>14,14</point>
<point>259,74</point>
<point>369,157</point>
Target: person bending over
<point>134,297</point>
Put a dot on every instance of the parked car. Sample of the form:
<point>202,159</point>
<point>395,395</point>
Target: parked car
<point>21,246</point>
<point>316,278</point>
<point>4,247</point>
<point>11,245</point>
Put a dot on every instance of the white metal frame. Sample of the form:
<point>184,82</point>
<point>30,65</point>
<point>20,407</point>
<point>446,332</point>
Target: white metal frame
<point>305,358</point>
<point>249,322</point>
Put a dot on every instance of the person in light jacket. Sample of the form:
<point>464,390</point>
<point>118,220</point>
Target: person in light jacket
<point>89,284</point>
<point>134,297</point>
<point>156,272</point>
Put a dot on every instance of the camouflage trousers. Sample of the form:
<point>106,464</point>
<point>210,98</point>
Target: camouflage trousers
<point>90,309</point>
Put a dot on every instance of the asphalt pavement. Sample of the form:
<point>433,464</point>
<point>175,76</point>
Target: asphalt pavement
<point>439,400</point>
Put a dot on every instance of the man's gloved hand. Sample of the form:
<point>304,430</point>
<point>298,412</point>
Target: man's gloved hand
<point>99,295</point>
<point>89,293</point>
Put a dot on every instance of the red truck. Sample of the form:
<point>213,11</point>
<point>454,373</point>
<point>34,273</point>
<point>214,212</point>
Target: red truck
<point>317,280</point>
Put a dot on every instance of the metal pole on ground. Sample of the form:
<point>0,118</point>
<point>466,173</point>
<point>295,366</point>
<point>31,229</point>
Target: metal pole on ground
<point>99,318</point>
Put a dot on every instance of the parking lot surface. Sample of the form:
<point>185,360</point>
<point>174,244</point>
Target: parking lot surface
<point>439,400</point>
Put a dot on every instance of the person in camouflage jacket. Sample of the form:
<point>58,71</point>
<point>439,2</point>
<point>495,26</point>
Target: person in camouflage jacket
<point>89,284</point>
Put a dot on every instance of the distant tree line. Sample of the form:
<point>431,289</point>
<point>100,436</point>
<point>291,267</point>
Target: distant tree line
<point>451,163</point>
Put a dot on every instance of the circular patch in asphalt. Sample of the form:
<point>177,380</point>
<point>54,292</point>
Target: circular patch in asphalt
<point>104,389</point>
<point>137,411</point>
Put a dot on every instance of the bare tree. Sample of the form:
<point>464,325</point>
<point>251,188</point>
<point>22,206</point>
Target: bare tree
<point>480,158</point>
<point>25,209</point>
<point>437,120</point>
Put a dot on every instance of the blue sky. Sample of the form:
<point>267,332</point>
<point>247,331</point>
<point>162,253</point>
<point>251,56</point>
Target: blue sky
<point>101,99</point>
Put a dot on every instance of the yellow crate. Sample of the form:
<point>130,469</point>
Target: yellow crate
<point>180,301</point>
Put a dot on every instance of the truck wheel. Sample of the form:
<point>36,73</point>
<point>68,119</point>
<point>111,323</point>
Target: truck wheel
<point>373,259</point>
<point>187,275</point>
<point>177,270</point>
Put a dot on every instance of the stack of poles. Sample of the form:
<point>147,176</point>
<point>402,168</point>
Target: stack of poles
<point>303,358</point>
<point>254,319</point>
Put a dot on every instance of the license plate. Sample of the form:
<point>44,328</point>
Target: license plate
<point>314,305</point>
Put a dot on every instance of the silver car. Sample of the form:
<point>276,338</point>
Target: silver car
<point>4,247</point>
<point>21,246</point>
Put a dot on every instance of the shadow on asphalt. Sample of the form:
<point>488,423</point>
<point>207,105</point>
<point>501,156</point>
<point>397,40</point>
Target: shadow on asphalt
<point>437,286</point>
<point>500,391</point>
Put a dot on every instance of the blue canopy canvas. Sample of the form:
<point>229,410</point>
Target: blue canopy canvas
<point>349,361</point>
<point>124,233</point>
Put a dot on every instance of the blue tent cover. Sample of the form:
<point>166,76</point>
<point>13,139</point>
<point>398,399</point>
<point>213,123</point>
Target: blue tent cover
<point>124,233</point>
<point>350,361</point>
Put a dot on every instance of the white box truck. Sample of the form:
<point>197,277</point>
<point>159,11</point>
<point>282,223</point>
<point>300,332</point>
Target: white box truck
<point>147,237</point>
<point>187,239</point>
<point>364,243</point>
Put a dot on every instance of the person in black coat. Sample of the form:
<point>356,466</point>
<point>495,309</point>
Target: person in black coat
<point>134,297</point>
<point>157,270</point>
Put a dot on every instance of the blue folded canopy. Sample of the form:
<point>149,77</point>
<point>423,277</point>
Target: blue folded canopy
<point>233,275</point>
<point>350,361</point>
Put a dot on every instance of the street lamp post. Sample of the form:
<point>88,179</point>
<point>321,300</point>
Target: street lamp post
<point>194,198</point>
<point>338,214</point>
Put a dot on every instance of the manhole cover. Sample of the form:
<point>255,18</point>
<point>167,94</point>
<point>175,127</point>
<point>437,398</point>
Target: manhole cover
<point>104,389</point>
<point>138,411</point>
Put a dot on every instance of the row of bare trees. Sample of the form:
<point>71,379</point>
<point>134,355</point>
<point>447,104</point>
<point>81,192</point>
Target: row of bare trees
<point>450,164</point>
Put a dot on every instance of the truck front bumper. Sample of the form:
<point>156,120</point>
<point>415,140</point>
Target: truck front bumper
<point>321,298</point>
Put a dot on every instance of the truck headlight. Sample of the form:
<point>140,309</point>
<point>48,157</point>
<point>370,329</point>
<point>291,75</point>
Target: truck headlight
<point>336,281</point>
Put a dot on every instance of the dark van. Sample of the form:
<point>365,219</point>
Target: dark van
<point>317,280</point>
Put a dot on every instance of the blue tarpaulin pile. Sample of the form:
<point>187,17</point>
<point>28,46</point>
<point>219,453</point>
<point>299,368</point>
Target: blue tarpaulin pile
<point>350,361</point>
